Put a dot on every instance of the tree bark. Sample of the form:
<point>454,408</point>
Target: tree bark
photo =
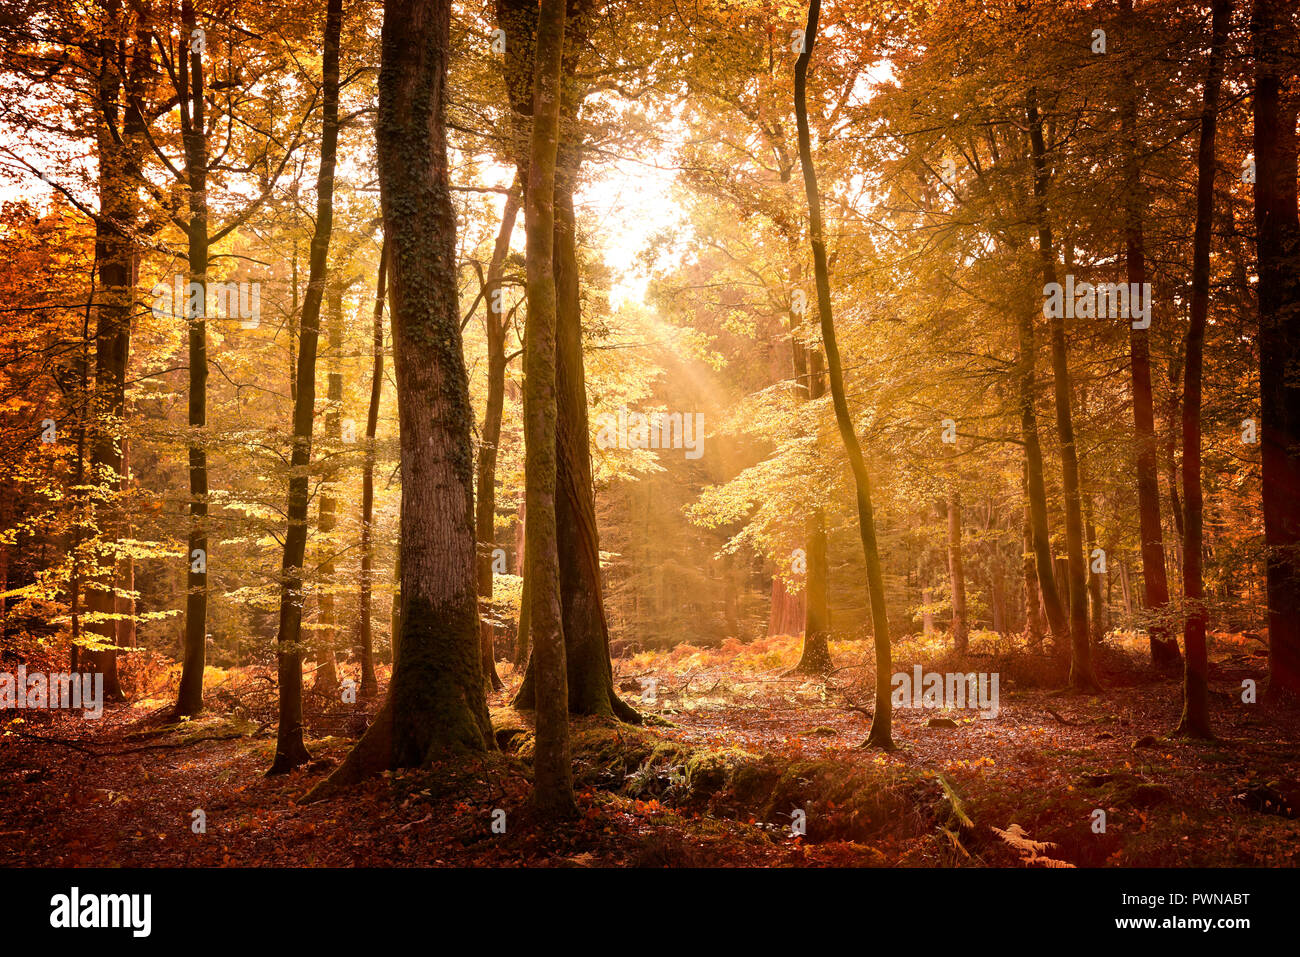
<point>586,629</point>
<point>1035,486</point>
<point>365,635</point>
<point>880,734</point>
<point>325,640</point>
<point>786,609</point>
<point>1164,649</point>
<point>120,148</point>
<point>290,751</point>
<point>956,572</point>
<point>1277,239</point>
<point>1195,720</point>
<point>189,699</point>
<point>435,704</point>
<point>816,655</point>
<point>552,769</point>
<point>485,502</point>
<point>1081,673</point>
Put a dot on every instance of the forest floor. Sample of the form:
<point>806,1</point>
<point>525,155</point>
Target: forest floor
<point>736,757</point>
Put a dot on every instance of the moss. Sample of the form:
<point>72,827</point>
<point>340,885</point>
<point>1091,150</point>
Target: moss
<point>1125,789</point>
<point>708,772</point>
<point>840,801</point>
<point>215,726</point>
<point>751,783</point>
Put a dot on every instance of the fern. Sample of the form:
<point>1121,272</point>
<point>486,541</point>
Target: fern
<point>1032,853</point>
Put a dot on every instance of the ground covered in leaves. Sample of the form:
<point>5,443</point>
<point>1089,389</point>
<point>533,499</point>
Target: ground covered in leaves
<point>740,762</point>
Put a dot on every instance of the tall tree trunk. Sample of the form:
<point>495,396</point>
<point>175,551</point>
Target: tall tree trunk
<point>485,502</point>
<point>117,254</point>
<point>78,526</point>
<point>816,655</point>
<point>435,703</point>
<point>586,630</point>
<point>786,609</point>
<point>1096,602</point>
<point>552,769</point>
<point>1081,673</point>
<point>325,641</point>
<point>365,635</point>
<point>289,748</point>
<point>1035,486</point>
<point>1164,649</point>
<point>956,572</point>
<point>1277,239</point>
<point>880,734</point>
<point>189,699</point>
<point>1195,720</point>
<point>1033,621</point>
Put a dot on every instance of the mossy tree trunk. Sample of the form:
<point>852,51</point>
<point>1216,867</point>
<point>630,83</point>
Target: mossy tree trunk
<point>586,630</point>
<point>553,775</point>
<point>435,704</point>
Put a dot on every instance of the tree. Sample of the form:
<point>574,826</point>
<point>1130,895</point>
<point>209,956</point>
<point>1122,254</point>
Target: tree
<point>191,97</point>
<point>956,571</point>
<point>326,638</point>
<point>1277,242</point>
<point>1195,720</point>
<point>289,749</point>
<point>435,704</point>
<point>880,734</point>
<point>815,658</point>
<point>121,148</point>
<point>1081,674</point>
<point>184,63</point>
<point>1164,649</point>
<point>586,631</point>
<point>553,774</point>
<point>497,323</point>
<point>365,640</point>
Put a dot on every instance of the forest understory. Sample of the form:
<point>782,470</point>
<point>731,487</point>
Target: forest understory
<point>733,747</point>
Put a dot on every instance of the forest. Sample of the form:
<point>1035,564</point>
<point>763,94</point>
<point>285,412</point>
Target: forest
<point>591,434</point>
